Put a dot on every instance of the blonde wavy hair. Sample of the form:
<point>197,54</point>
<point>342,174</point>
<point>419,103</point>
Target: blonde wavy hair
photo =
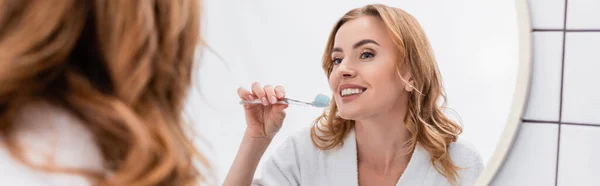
<point>124,67</point>
<point>425,120</point>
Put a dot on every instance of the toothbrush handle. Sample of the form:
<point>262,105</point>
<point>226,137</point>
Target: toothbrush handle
<point>258,102</point>
<point>296,102</point>
<point>284,101</point>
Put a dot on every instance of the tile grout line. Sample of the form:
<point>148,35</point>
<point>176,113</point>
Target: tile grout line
<point>539,121</point>
<point>566,30</point>
<point>562,80</point>
<point>581,124</point>
<point>528,121</point>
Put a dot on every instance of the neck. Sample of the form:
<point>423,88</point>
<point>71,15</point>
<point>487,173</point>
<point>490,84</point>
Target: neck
<point>381,143</point>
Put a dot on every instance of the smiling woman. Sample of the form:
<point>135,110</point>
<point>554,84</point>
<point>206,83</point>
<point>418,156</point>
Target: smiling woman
<point>476,45</point>
<point>384,126</point>
<point>398,103</point>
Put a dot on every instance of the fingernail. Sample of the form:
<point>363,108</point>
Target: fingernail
<point>264,101</point>
<point>273,100</point>
<point>280,94</point>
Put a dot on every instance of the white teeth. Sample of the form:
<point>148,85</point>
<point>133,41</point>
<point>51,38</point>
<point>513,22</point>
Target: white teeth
<point>351,91</point>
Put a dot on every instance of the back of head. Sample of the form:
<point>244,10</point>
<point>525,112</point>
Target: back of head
<point>122,67</point>
<point>425,120</point>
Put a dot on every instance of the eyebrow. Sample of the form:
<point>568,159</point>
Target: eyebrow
<point>364,42</point>
<point>356,45</point>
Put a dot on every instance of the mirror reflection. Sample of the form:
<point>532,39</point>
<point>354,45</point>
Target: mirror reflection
<point>475,54</point>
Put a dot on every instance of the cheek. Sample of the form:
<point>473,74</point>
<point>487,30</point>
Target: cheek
<point>387,95</point>
<point>387,88</point>
<point>333,82</point>
<point>387,83</point>
<point>395,84</point>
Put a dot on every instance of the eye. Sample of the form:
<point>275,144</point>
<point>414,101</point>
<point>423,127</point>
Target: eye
<point>336,61</point>
<point>366,55</point>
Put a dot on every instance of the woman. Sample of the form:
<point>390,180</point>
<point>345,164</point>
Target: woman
<point>384,125</point>
<point>92,92</point>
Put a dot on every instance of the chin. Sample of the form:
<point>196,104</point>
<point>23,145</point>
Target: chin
<point>351,114</point>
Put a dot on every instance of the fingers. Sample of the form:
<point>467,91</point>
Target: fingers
<point>257,91</point>
<point>270,91</point>
<point>280,92</point>
<point>268,95</point>
<point>245,94</point>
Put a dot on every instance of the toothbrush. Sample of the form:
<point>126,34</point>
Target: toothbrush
<point>319,101</point>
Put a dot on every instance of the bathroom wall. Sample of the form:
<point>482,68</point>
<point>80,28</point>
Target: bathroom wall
<point>559,140</point>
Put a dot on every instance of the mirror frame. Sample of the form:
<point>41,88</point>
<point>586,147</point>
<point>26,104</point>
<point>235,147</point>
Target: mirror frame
<point>522,86</point>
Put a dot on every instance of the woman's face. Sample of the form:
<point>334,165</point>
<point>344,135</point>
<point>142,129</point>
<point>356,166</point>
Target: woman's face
<point>364,78</point>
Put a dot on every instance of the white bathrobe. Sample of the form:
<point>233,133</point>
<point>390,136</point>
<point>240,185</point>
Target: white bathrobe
<point>298,162</point>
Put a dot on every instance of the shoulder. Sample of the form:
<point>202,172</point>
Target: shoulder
<point>50,134</point>
<point>302,137</point>
<point>467,158</point>
<point>298,150</point>
<point>57,132</point>
<point>298,142</point>
<point>296,156</point>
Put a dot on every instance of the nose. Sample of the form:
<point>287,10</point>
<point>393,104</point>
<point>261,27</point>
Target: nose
<point>345,71</point>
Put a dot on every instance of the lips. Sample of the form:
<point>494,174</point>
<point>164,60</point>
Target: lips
<point>350,89</point>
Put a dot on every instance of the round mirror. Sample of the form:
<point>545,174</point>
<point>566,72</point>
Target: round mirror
<point>476,45</point>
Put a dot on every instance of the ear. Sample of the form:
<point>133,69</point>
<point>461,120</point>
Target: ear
<point>409,86</point>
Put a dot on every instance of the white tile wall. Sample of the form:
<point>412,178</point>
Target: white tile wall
<point>547,14</point>
<point>544,95</point>
<point>532,160</point>
<point>582,14</point>
<point>581,89</point>
<point>579,162</point>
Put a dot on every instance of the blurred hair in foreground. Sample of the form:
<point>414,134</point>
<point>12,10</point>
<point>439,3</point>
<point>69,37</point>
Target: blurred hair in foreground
<point>123,67</point>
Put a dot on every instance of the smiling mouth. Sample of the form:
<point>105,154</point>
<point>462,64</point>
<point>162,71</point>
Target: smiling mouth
<point>352,91</point>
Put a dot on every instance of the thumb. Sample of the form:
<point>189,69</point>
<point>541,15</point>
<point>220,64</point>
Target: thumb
<point>279,110</point>
<point>278,113</point>
<point>280,107</point>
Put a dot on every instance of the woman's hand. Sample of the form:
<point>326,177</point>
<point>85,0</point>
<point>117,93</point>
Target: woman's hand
<point>263,120</point>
